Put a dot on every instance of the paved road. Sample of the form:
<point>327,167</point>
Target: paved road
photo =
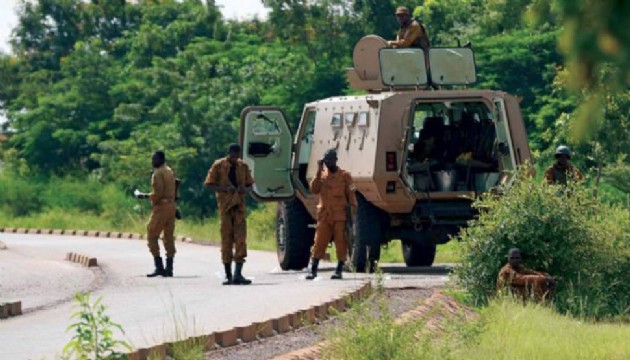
<point>154,310</point>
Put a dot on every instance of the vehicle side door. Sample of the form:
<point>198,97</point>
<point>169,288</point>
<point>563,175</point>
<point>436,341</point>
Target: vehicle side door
<point>267,141</point>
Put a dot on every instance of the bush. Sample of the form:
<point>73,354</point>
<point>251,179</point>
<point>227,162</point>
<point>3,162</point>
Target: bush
<point>71,193</point>
<point>20,196</point>
<point>564,231</point>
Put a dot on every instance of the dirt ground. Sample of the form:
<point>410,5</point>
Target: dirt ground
<point>398,301</point>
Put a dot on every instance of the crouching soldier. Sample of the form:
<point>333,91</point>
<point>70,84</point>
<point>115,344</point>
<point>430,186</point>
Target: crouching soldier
<point>164,190</point>
<point>523,282</point>
<point>230,179</point>
<point>336,191</point>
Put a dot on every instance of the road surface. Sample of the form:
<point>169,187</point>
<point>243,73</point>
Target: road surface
<point>151,310</point>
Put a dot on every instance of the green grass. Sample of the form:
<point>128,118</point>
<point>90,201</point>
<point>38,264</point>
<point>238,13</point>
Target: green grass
<point>261,224</point>
<point>505,329</point>
<point>447,253</point>
<point>514,331</point>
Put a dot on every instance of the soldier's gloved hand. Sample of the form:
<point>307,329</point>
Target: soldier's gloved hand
<point>140,195</point>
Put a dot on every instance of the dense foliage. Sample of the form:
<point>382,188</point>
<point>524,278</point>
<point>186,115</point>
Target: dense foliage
<point>92,88</point>
<point>563,231</point>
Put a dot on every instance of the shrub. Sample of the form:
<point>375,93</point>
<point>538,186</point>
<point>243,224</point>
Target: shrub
<point>564,231</point>
<point>20,196</point>
<point>117,206</point>
<point>71,193</point>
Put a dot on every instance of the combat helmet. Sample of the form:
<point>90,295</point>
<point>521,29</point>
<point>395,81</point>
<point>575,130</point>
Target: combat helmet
<point>563,150</point>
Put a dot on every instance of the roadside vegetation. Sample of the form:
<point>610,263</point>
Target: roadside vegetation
<point>505,329</point>
<point>566,232</point>
<point>71,203</point>
<point>93,88</point>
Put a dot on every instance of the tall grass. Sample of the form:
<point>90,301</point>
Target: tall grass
<point>514,331</point>
<point>506,329</point>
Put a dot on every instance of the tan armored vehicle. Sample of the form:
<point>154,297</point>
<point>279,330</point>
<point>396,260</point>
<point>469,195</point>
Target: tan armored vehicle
<point>419,145</point>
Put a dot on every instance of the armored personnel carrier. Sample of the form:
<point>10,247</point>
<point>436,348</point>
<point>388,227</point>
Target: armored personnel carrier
<point>420,144</point>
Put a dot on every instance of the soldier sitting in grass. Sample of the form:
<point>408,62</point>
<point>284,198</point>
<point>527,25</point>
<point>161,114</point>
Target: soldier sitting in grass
<point>522,282</point>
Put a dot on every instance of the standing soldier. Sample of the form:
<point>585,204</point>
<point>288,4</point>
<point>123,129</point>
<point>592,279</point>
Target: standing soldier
<point>163,197</point>
<point>230,179</point>
<point>562,170</point>
<point>336,193</point>
<point>412,34</point>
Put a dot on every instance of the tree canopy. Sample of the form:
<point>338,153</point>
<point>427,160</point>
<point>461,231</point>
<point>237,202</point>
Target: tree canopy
<point>93,87</point>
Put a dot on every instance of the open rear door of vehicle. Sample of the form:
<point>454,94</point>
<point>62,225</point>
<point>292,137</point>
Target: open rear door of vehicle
<point>505,147</point>
<point>267,149</point>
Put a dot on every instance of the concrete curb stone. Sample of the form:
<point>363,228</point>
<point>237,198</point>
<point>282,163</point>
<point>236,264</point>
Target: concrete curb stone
<point>246,333</point>
<point>226,338</point>
<point>10,309</point>
<point>281,324</point>
<point>264,328</point>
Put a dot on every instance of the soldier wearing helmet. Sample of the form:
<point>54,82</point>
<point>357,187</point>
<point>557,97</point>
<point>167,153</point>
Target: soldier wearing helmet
<point>562,170</point>
<point>336,192</point>
<point>412,34</point>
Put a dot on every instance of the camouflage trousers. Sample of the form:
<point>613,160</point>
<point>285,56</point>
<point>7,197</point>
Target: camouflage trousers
<point>162,221</point>
<point>325,232</point>
<point>233,235</point>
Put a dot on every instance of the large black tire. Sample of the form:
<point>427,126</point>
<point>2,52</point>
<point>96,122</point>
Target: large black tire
<point>369,232</point>
<point>294,237</point>
<point>418,252</point>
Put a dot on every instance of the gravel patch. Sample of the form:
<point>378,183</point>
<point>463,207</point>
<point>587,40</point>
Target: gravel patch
<point>398,301</point>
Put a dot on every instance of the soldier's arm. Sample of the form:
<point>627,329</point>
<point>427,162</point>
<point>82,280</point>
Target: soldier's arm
<point>414,31</point>
<point>578,175</point>
<point>212,180</point>
<point>316,184</point>
<point>351,191</point>
<point>524,280</point>
<point>249,181</point>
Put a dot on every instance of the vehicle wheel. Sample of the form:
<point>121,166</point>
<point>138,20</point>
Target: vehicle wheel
<point>293,236</point>
<point>418,252</point>
<point>368,234</point>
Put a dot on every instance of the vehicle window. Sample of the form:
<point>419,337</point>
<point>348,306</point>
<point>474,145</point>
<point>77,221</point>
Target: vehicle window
<point>336,121</point>
<point>349,119</point>
<point>310,126</point>
<point>264,125</point>
<point>364,119</point>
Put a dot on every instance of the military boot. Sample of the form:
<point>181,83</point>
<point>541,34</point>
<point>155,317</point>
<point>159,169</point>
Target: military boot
<point>314,266</point>
<point>338,272</point>
<point>159,267</point>
<point>238,277</point>
<point>228,274</point>
<point>168,271</point>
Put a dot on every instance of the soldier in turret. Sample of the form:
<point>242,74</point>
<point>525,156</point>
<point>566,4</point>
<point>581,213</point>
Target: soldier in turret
<point>412,34</point>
